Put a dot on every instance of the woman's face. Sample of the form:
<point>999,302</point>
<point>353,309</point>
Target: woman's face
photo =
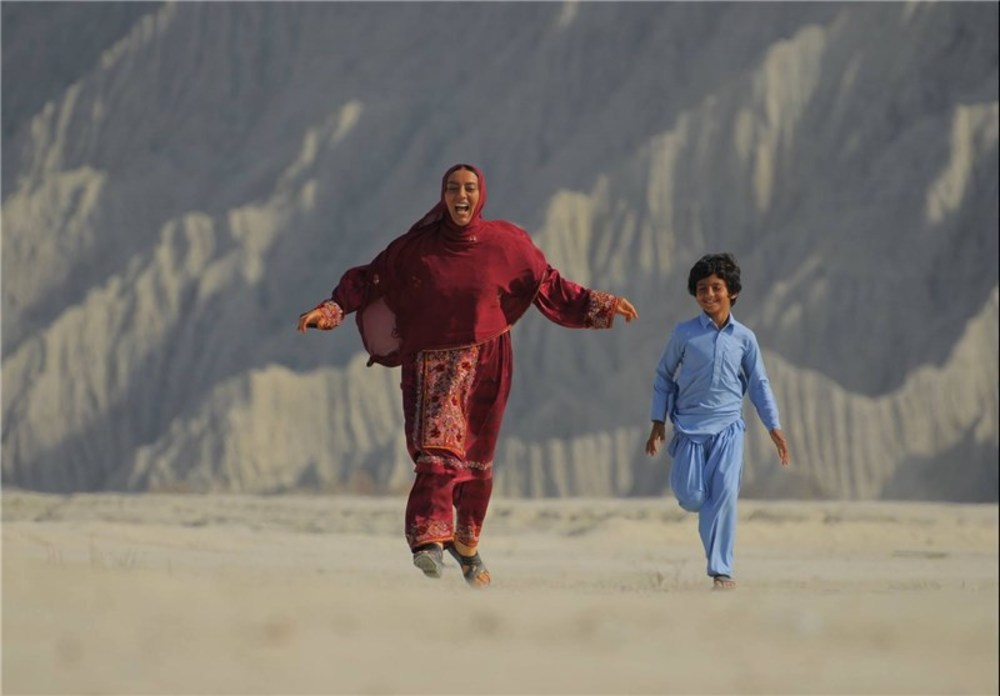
<point>461,195</point>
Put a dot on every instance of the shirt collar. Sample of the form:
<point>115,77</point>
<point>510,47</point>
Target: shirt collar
<point>707,323</point>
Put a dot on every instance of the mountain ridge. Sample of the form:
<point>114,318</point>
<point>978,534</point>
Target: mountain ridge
<point>168,216</point>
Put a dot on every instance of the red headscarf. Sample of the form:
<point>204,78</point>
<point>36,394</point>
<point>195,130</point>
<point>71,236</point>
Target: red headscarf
<point>448,285</point>
<point>439,213</point>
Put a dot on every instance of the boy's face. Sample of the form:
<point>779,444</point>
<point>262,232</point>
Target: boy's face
<point>713,297</point>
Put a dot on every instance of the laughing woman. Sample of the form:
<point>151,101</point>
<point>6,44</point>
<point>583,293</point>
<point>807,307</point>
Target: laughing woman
<point>440,302</point>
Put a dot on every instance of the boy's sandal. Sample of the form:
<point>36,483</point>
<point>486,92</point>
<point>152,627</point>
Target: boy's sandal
<point>473,568</point>
<point>723,582</point>
<point>429,559</point>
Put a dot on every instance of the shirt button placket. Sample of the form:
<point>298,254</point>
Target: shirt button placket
<point>716,358</point>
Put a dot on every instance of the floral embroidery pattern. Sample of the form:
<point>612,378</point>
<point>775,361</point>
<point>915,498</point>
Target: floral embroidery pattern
<point>467,535</point>
<point>426,532</point>
<point>331,312</point>
<point>600,309</point>
<point>434,462</point>
<point>438,463</point>
<point>443,396</point>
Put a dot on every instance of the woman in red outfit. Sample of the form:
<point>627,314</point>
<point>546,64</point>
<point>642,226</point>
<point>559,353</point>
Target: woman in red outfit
<point>440,301</point>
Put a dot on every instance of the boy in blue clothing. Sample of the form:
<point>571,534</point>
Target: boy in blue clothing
<point>709,363</point>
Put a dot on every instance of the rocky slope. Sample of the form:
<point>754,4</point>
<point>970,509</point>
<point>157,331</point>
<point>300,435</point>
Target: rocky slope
<point>213,170</point>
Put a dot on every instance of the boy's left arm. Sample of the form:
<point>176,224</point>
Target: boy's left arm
<point>762,398</point>
<point>778,438</point>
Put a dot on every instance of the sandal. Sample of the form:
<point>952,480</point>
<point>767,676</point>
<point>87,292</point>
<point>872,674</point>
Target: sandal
<point>430,559</point>
<point>473,568</point>
<point>723,582</point>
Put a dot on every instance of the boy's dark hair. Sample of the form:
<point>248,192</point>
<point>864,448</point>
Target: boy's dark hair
<point>722,265</point>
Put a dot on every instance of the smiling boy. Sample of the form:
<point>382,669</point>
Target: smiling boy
<point>709,364</point>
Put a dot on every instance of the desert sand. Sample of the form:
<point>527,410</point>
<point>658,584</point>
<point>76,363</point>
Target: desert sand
<point>141,594</point>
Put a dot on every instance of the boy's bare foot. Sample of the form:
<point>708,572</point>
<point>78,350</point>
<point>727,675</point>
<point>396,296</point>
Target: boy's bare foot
<point>723,582</point>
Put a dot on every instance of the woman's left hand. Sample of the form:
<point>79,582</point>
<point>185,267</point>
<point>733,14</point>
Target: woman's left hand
<point>625,308</point>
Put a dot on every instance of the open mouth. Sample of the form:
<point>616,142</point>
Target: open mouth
<point>462,208</point>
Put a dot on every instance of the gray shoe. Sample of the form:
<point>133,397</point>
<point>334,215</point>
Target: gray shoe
<point>429,559</point>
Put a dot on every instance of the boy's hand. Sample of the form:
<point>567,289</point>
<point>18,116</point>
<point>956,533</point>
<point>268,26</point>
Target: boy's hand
<point>778,438</point>
<point>657,434</point>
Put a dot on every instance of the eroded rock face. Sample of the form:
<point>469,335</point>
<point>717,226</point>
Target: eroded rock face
<point>214,169</point>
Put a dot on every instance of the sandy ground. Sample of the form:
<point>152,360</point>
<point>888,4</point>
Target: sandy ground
<point>316,595</point>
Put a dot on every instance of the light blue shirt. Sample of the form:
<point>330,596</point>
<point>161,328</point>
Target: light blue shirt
<point>703,375</point>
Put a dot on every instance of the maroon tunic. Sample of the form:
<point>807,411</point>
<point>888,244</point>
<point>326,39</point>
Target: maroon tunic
<point>453,294</point>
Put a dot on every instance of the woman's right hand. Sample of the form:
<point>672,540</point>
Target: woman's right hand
<point>324,316</point>
<point>314,319</point>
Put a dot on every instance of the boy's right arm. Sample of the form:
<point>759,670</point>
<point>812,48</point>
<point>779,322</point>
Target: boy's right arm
<point>664,386</point>
<point>664,392</point>
<point>657,434</point>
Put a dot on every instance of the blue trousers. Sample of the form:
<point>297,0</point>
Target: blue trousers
<point>705,477</point>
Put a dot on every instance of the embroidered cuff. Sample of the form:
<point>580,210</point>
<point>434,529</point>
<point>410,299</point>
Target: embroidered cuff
<point>600,310</point>
<point>332,313</point>
<point>429,463</point>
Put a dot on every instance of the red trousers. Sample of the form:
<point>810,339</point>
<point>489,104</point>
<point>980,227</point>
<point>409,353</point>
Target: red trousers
<point>453,405</point>
<point>439,509</point>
